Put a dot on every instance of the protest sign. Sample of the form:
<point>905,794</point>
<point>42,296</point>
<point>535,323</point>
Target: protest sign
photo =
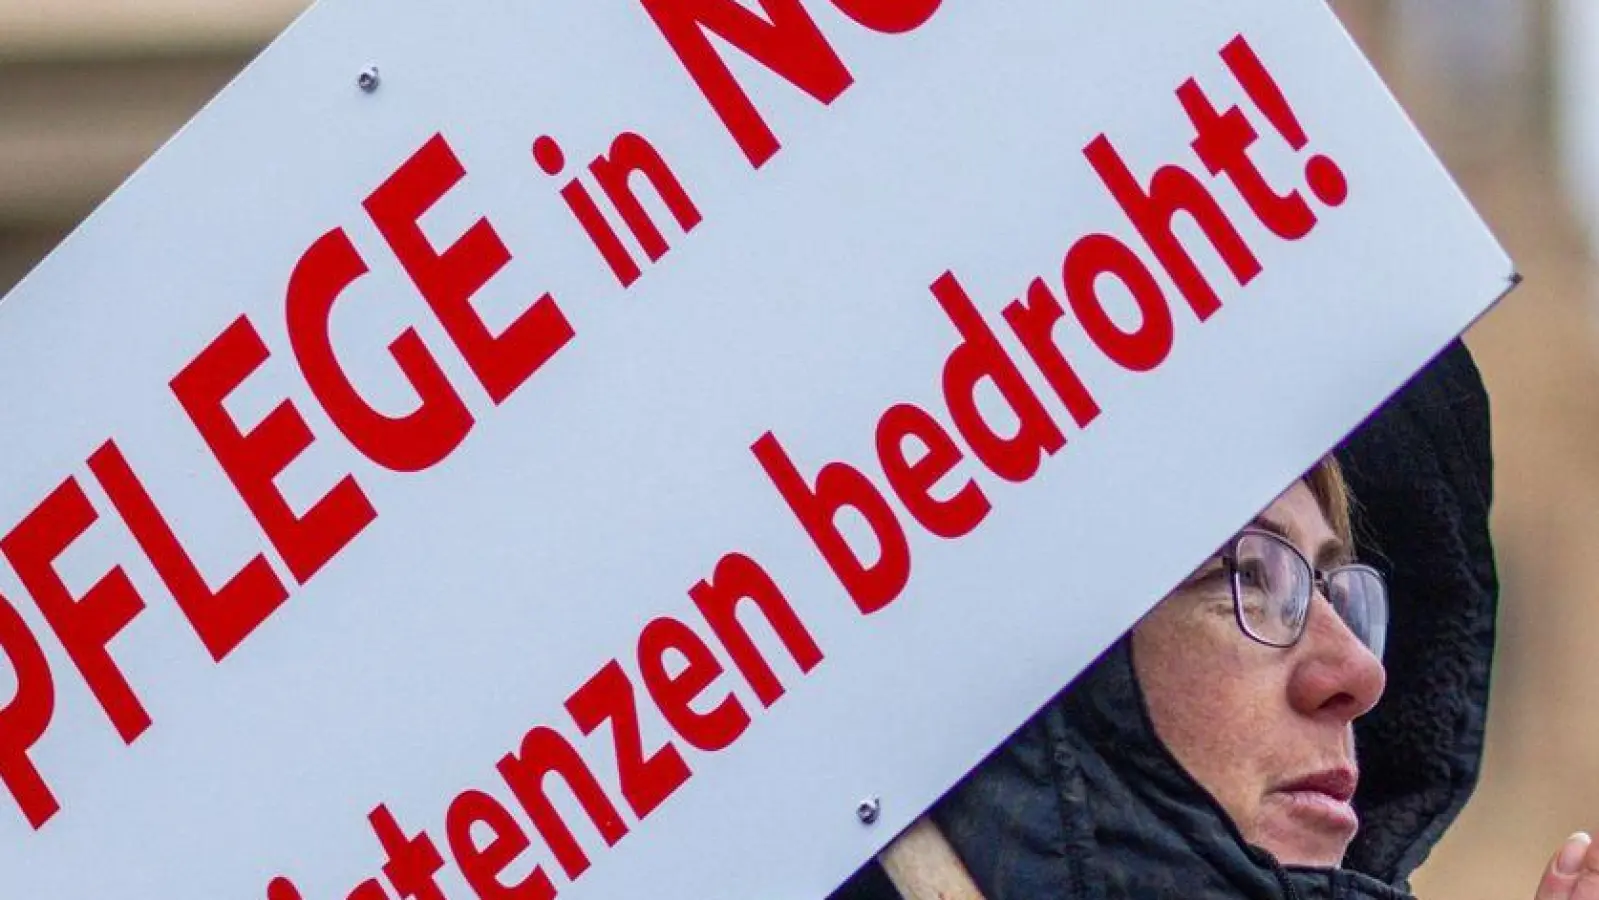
<point>654,447</point>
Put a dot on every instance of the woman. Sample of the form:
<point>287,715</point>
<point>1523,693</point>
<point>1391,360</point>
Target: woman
<point>1212,752</point>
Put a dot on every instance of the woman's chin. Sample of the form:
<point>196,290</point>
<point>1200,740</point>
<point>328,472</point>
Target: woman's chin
<point>1305,829</point>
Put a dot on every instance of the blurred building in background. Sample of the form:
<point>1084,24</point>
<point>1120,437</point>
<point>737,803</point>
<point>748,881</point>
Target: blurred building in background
<point>1577,72</point>
<point>89,88</point>
<point>1507,90</point>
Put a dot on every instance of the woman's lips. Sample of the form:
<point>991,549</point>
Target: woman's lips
<point>1323,799</point>
<point>1321,811</point>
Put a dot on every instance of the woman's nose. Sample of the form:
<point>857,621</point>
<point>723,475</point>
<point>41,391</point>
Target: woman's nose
<point>1335,674</point>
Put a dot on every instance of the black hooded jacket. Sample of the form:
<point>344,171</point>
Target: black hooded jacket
<point>1085,803</point>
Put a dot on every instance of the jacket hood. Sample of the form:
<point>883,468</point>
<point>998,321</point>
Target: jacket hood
<point>1421,473</point>
<point>1086,802</point>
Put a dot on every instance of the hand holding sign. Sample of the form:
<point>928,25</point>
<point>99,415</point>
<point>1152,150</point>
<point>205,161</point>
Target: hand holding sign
<point>1573,872</point>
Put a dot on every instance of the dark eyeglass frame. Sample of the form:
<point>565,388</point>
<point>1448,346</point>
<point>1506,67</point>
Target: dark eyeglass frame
<point>1318,581</point>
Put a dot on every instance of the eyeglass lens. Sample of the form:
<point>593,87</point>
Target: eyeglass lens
<point>1361,599</point>
<point>1274,585</point>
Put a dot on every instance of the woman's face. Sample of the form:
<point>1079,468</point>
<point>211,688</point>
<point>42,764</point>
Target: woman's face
<point>1268,731</point>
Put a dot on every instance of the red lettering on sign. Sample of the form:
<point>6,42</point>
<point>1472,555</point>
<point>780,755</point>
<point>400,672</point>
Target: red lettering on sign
<point>284,889</point>
<point>917,453</point>
<point>1326,178</point>
<point>1223,144</point>
<point>545,752</point>
<point>840,486</point>
<point>674,694</point>
<point>913,482</point>
<point>787,42</point>
<point>409,443</point>
<point>647,780</point>
<point>1224,141</point>
<point>1033,321</point>
<point>633,155</point>
<point>222,618</point>
<point>1175,190</point>
<point>25,719</point>
<point>738,581</point>
<point>449,280</point>
<point>414,862</point>
<point>980,357</point>
<point>1095,257</point>
<point>889,16</point>
<point>482,865</point>
<point>548,154</point>
<point>85,626</point>
<point>252,461</point>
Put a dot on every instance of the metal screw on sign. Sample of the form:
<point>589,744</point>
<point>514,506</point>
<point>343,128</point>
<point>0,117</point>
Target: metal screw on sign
<point>369,79</point>
<point>869,810</point>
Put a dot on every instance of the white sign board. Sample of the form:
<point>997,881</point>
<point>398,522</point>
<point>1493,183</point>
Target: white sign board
<point>504,449</point>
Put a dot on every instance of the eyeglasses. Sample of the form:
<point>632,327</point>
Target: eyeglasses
<point>1272,584</point>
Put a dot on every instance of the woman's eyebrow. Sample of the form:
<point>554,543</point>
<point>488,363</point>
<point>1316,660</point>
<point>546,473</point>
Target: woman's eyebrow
<point>1262,523</point>
<point>1332,552</point>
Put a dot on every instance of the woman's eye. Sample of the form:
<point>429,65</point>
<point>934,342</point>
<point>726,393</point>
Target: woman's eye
<point>1210,575</point>
<point>1252,574</point>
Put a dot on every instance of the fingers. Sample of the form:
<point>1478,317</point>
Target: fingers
<point>1587,886</point>
<point>1573,873</point>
